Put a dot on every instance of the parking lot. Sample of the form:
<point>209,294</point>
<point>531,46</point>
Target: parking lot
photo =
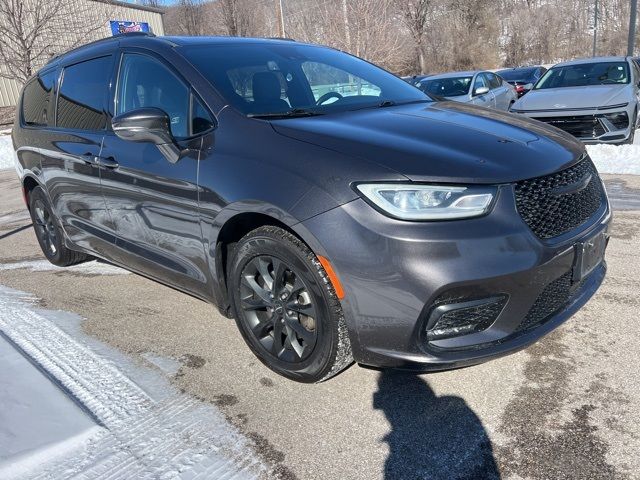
<point>566,408</point>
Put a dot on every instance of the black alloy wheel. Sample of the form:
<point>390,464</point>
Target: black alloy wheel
<point>48,232</point>
<point>278,307</point>
<point>286,307</point>
<point>45,228</point>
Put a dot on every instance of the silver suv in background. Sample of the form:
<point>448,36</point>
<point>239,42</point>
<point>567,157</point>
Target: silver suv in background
<point>485,89</point>
<point>595,99</point>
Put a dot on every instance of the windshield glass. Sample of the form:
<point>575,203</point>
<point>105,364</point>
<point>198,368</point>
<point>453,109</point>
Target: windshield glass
<point>446,87</point>
<point>603,73</point>
<point>518,74</point>
<point>262,79</point>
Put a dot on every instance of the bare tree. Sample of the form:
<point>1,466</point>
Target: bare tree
<point>152,3</point>
<point>416,15</point>
<point>240,17</point>
<point>414,36</point>
<point>231,16</point>
<point>366,28</point>
<point>188,18</point>
<point>30,32</point>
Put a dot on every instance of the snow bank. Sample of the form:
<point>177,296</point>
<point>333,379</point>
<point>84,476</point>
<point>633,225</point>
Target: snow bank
<point>88,268</point>
<point>7,154</point>
<point>148,429</point>
<point>621,159</point>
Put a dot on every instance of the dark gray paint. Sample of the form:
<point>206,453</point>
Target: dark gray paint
<point>164,220</point>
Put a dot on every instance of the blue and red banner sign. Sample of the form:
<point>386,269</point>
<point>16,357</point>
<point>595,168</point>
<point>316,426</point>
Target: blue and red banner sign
<point>121,26</point>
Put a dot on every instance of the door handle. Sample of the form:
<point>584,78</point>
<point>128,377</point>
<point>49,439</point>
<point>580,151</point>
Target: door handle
<point>88,158</point>
<point>105,162</point>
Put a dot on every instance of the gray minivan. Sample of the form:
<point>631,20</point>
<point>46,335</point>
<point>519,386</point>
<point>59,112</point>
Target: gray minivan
<point>335,211</point>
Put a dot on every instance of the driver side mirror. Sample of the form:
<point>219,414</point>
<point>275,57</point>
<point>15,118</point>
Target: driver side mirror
<point>480,91</point>
<point>147,125</point>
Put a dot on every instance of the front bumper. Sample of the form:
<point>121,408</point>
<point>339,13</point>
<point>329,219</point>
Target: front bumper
<point>393,272</point>
<point>588,126</point>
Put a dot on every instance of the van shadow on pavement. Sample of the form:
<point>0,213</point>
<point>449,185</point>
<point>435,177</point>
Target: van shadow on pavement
<point>431,437</point>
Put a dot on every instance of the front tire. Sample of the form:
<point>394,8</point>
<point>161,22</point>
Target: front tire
<point>286,308</point>
<point>48,231</point>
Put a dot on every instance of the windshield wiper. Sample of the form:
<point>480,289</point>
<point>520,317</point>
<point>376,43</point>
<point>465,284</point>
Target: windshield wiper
<point>392,103</point>
<point>296,112</point>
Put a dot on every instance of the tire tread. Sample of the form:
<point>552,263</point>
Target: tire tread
<point>343,356</point>
<point>66,256</point>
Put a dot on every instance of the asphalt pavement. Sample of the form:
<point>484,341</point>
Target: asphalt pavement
<point>568,407</point>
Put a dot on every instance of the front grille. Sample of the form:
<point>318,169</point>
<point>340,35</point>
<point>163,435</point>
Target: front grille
<point>476,317</point>
<point>555,296</point>
<point>557,203</point>
<point>580,126</point>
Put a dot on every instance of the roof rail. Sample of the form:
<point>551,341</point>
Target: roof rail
<point>100,40</point>
<point>138,34</point>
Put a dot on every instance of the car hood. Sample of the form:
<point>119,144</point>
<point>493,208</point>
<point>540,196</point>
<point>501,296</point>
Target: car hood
<point>441,142</point>
<point>459,98</point>
<point>589,97</point>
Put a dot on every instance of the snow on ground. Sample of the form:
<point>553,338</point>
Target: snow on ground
<point>24,411</point>
<point>7,154</point>
<point>71,407</point>
<point>88,268</point>
<point>620,159</point>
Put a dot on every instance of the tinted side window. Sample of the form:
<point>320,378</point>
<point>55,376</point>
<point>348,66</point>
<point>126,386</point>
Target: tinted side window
<point>82,95</point>
<point>494,81</point>
<point>480,82</point>
<point>36,100</point>
<point>146,82</point>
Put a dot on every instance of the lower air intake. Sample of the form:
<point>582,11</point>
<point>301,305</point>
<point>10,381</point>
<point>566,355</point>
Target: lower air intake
<point>449,320</point>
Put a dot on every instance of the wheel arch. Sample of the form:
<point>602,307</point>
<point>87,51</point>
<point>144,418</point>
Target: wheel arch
<point>236,227</point>
<point>29,182</point>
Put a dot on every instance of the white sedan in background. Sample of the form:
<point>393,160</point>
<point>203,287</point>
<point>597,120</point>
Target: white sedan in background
<point>482,88</point>
<point>594,99</point>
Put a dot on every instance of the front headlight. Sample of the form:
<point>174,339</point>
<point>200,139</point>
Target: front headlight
<point>429,202</point>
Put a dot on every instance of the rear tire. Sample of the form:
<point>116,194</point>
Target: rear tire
<point>286,307</point>
<point>49,233</point>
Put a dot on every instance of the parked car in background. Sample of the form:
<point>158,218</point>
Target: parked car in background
<point>414,79</point>
<point>594,99</point>
<point>485,89</point>
<point>336,212</point>
<point>522,78</point>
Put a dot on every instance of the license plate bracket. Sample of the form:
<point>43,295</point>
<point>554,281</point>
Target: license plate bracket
<point>589,255</point>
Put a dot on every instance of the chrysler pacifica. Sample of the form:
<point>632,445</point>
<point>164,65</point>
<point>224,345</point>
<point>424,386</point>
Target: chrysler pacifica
<point>336,212</point>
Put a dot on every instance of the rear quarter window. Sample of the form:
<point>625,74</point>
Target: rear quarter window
<point>37,100</point>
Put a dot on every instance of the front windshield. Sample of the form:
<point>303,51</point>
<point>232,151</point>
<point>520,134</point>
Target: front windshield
<point>270,79</point>
<point>446,87</point>
<point>584,74</point>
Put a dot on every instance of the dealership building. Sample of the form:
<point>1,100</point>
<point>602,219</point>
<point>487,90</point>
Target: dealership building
<point>117,16</point>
